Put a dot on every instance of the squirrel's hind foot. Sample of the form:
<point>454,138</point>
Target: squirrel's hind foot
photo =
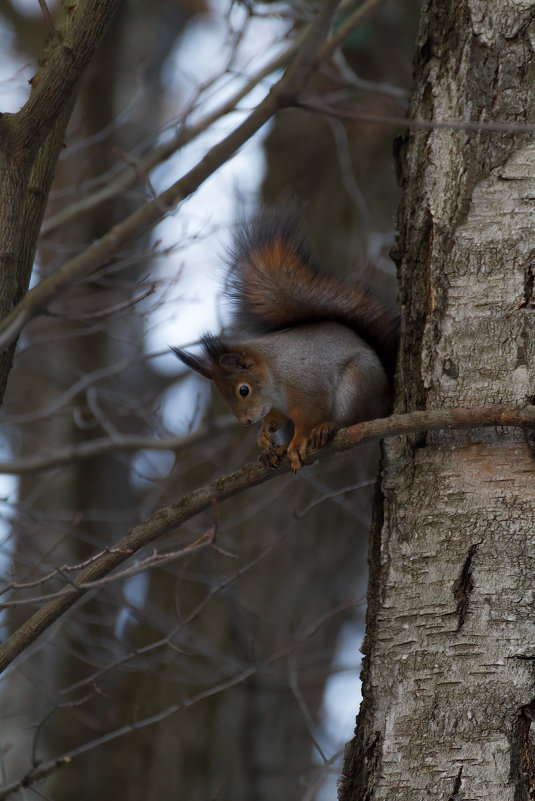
<point>322,434</point>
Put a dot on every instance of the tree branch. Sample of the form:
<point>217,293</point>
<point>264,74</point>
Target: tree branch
<point>282,95</point>
<point>42,770</point>
<point>371,118</point>
<point>169,518</point>
<point>130,175</point>
<point>64,62</point>
<point>127,443</point>
<point>49,22</point>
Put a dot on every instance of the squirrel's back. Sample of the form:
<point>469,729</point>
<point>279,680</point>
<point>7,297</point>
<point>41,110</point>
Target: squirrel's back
<point>275,285</point>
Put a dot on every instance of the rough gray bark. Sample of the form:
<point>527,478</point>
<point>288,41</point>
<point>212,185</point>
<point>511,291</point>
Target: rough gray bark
<point>448,676</point>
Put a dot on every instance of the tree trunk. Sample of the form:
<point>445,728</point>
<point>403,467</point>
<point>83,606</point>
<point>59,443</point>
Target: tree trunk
<point>448,675</point>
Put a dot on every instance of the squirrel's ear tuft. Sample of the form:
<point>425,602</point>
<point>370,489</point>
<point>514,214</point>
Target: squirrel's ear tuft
<point>213,348</point>
<point>204,363</point>
<point>197,363</point>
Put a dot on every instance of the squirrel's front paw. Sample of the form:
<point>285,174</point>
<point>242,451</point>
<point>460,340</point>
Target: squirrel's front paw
<point>297,451</point>
<point>272,423</point>
<point>272,457</point>
<point>322,434</point>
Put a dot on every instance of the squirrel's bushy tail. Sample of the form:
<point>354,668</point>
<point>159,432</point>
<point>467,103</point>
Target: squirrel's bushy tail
<point>274,284</point>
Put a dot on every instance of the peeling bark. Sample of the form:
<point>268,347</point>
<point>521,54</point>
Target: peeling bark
<point>462,588</point>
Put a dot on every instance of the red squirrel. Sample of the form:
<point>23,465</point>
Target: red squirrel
<point>324,350</point>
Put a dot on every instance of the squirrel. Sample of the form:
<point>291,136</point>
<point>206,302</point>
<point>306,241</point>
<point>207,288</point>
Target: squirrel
<point>322,352</point>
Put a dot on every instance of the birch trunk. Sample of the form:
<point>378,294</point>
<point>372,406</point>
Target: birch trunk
<point>448,677</point>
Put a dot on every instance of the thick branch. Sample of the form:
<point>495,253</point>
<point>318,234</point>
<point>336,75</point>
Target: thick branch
<point>62,69</point>
<point>166,520</point>
<point>377,429</point>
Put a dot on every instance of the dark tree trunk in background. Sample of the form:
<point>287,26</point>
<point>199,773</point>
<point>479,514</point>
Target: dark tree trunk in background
<point>56,350</point>
<point>448,690</point>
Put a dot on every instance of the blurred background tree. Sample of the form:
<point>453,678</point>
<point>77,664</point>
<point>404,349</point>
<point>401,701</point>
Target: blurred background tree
<point>248,632</point>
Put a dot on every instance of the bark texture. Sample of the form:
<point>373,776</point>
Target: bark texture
<point>448,678</point>
<point>30,143</point>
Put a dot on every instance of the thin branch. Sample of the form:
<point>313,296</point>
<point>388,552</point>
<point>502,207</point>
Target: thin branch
<point>27,585</point>
<point>293,682</point>
<point>45,769</point>
<point>49,22</point>
<point>327,768</point>
<point>79,386</point>
<point>357,18</point>
<point>161,153</point>
<point>329,495</point>
<point>169,518</point>
<point>118,444</point>
<point>154,560</point>
<point>167,640</point>
<point>485,126</point>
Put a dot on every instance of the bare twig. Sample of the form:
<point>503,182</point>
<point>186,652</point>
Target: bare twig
<point>293,682</point>
<point>357,18</point>
<point>154,560</point>
<point>489,126</point>
<point>48,18</point>
<point>167,519</point>
<point>157,155</point>
<point>117,444</point>
<point>115,308</point>
<point>26,585</point>
<point>327,495</point>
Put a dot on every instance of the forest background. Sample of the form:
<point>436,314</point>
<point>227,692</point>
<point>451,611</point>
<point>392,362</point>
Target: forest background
<point>205,666</point>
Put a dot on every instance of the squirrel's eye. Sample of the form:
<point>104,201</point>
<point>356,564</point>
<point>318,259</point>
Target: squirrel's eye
<point>244,390</point>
